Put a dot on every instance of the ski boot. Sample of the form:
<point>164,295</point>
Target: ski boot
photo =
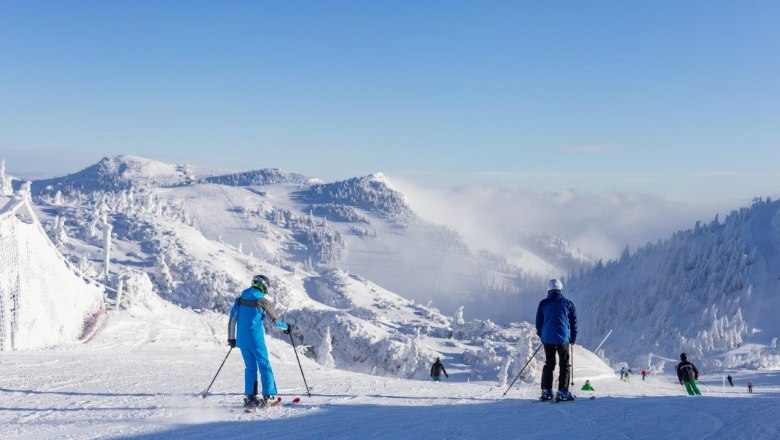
<point>268,402</point>
<point>546,394</point>
<point>563,396</point>
<point>251,403</point>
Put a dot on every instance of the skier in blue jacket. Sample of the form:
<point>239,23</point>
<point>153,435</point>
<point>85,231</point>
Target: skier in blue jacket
<point>556,325</point>
<point>245,331</point>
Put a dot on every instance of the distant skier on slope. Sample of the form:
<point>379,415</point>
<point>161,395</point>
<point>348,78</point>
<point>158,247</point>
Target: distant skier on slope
<point>436,369</point>
<point>750,386</point>
<point>730,379</point>
<point>245,331</point>
<point>644,374</point>
<point>587,386</point>
<point>556,325</point>
<point>623,373</point>
<point>687,374</point>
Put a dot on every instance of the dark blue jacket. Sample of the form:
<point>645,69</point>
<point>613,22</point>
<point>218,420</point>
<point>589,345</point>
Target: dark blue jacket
<point>556,319</point>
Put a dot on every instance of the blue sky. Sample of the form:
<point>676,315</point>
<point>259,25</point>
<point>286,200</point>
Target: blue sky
<point>662,97</point>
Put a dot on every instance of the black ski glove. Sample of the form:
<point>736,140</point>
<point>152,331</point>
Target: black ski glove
<point>289,329</point>
<point>232,343</point>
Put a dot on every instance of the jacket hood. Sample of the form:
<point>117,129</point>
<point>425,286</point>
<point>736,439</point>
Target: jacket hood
<point>554,294</point>
<point>252,293</point>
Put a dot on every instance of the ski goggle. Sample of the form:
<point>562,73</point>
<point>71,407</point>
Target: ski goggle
<point>261,286</point>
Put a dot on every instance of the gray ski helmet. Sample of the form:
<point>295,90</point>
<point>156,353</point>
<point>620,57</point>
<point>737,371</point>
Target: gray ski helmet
<point>261,282</point>
<point>554,284</point>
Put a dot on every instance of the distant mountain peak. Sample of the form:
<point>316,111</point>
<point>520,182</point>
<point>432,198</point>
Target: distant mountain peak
<point>117,173</point>
<point>381,178</point>
<point>372,193</point>
<point>265,176</point>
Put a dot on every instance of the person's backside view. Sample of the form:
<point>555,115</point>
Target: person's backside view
<point>556,325</point>
<point>687,374</point>
<point>245,331</point>
<point>437,369</point>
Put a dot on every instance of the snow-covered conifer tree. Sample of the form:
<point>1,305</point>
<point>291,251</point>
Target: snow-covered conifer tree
<point>5,183</point>
<point>325,350</point>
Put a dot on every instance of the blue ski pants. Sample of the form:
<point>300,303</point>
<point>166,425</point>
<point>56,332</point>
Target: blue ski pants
<point>256,358</point>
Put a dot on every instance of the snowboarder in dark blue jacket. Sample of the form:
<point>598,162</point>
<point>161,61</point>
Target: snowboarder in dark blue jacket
<point>245,331</point>
<point>556,325</point>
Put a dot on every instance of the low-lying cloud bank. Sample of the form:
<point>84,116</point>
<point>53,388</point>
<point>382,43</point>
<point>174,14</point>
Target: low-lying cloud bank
<point>600,224</point>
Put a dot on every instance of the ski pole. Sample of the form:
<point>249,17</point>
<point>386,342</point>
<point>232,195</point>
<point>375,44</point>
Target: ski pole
<point>523,369</point>
<point>205,393</point>
<point>571,347</point>
<point>299,364</point>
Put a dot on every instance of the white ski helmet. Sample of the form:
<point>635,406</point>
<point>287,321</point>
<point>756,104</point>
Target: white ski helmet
<point>554,284</point>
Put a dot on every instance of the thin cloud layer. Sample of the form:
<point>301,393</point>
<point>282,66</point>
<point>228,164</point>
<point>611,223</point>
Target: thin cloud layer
<point>600,224</point>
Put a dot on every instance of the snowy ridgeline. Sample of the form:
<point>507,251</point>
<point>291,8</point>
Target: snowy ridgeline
<point>44,301</point>
<point>362,225</point>
<point>348,322</point>
<point>705,291</point>
<point>370,193</point>
<point>702,291</point>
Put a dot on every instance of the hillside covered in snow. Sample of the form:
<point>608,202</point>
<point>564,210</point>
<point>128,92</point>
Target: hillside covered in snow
<point>195,241</point>
<point>360,225</point>
<point>711,291</point>
<point>135,334</point>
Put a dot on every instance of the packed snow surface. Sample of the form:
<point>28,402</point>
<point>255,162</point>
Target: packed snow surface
<point>141,375</point>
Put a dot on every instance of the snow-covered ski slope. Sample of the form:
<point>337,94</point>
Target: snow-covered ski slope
<point>141,375</point>
<point>44,301</point>
<point>708,291</point>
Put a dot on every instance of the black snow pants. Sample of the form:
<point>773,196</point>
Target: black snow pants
<point>549,366</point>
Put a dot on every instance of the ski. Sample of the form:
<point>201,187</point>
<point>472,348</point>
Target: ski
<point>270,404</point>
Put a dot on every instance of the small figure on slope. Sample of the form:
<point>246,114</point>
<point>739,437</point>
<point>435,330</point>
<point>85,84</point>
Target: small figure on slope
<point>587,386</point>
<point>750,386</point>
<point>436,369</point>
<point>245,331</point>
<point>644,374</point>
<point>623,373</point>
<point>687,374</point>
<point>730,379</point>
<point>556,325</point>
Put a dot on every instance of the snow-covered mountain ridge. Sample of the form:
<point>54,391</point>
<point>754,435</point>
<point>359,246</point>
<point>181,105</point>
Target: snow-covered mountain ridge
<point>362,225</point>
<point>195,242</point>
<point>708,291</point>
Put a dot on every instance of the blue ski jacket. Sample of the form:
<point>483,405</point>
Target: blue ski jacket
<point>556,319</point>
<point>246,319</point>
